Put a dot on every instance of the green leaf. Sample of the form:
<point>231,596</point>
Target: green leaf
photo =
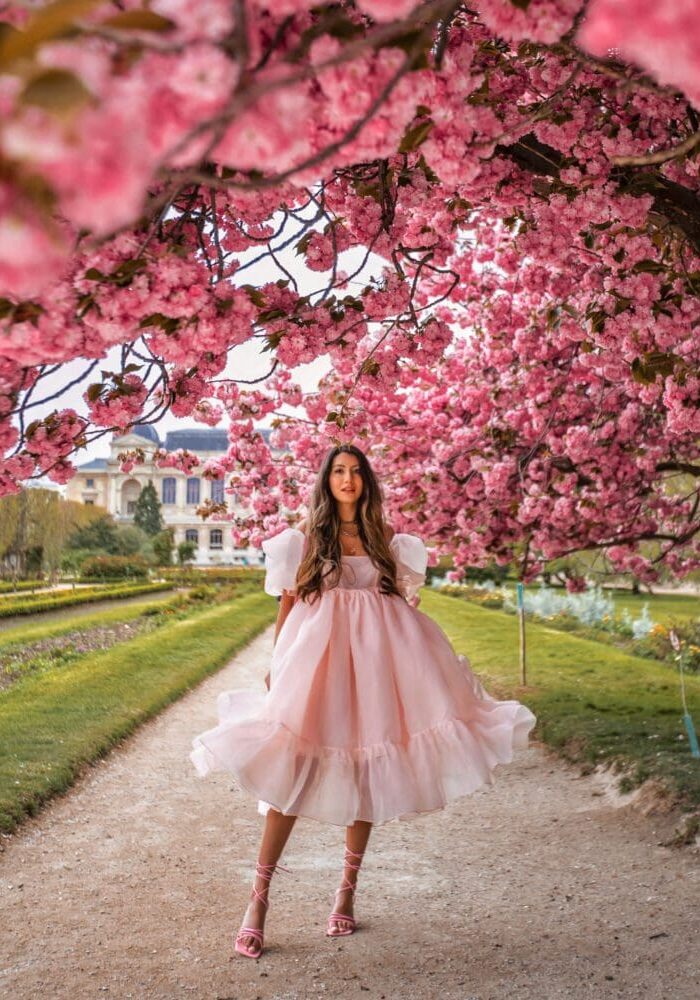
<point>54,20</point>
<point>56,90</point>
<point>138,20</point>
<point>651,364</point>
<point>622,303</point>
<point>272,341</point>
<point>92,274</point>
<point>365,190</point>
<point>370,367</point>
<point>303,244</point>
<point>27,312</point>
<point>94,391</point>
<point>597,319</point>
<point>167,323</point>
<point>255,295</point>
<point>648,266</point>
<point>269,314</point>
<point>415,136</point>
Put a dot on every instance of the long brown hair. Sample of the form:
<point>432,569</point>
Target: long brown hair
<point>323,530</point>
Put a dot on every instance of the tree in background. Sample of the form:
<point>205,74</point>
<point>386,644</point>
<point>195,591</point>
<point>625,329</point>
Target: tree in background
<point>163,546</point>
<point>35,526</point>
<point>147,515</point>
<point>186,552</point>
<point>99,535</point>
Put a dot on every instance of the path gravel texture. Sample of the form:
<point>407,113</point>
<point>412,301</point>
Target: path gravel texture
<point>537,887</point>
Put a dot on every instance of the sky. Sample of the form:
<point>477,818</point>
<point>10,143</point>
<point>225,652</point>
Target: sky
<point>246,361</point>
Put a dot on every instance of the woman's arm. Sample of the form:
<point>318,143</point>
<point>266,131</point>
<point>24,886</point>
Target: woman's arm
<point>286,603</point>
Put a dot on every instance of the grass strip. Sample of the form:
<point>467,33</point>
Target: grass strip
<point>12,607</point>
<point>20,635</point>
<point>663,608</point>
<point>594,704</point>
<point>53,725</point>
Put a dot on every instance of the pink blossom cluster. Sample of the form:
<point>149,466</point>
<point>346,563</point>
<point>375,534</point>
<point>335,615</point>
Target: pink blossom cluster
<point>521,364</point>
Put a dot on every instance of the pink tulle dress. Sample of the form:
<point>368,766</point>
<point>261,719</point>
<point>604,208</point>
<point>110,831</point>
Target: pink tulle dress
<point>371,714</point>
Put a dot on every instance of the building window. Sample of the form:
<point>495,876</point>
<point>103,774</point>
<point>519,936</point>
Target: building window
<point>216,538</point>
<point>130,506</point>
<point>192,535</point>
<point>168,489</point>
<point>193,490</point>
<point>90,484</point>
<point>89,503</point>
<point>217,490</point>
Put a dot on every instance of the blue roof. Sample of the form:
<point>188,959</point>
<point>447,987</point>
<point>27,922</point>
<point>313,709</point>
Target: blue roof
<point>95,463</point>
<point>198,439</point>
<point>147,431</point>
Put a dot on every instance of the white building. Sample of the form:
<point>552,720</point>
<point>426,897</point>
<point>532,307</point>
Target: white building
<point>102,482</point>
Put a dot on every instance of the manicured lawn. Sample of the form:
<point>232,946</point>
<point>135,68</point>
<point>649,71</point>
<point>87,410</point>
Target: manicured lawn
<point>35,629</point>
<point>662,607</point>
<point>593,703</point>
<point>53,724</point>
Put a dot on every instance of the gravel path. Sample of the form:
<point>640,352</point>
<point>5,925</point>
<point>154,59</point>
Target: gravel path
<point>535,888</point>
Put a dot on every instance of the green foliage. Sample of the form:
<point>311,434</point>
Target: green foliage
<point>594,703</point>
<point>130,540</point>
<point>186,552</point>
<point>9,607</point>
<point>38,628</point>
<point>35,526</point>
<point>147,512</point>
<point>203,593</point>
<point>114,567</point>
<point>163,545</point>
<point>100,536</point>
<point>18,586</point>
<point>187,575</point>
<point>53,723</point>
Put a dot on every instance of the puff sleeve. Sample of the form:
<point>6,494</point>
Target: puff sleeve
<point>411,563</point>
<point>283,554</point>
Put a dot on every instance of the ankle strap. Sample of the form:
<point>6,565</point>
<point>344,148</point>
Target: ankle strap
<point>266,871</point>
<point>354,854</point>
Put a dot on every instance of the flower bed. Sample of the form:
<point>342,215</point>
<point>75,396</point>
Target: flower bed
<point>592,615</point>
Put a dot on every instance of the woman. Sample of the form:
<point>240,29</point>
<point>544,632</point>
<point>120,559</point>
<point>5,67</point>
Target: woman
<point>369,713</point>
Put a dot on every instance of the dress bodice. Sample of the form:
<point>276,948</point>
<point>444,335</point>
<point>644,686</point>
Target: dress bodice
<point>283,554</point>
<point>357,572</point>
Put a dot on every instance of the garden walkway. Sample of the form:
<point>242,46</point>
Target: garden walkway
<point>534,888</point>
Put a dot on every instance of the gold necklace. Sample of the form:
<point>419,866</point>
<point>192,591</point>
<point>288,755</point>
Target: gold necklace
<point>350,534</point>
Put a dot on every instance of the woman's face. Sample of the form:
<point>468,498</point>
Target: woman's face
<point>345,479</point>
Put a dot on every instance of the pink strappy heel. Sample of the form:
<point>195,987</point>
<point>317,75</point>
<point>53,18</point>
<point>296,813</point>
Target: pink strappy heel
<point>250,951</point>
<point>335,917</point>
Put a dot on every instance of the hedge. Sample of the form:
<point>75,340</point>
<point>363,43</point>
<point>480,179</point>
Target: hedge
<point>48,602</point>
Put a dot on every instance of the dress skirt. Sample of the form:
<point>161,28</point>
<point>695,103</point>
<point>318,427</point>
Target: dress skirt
<point>371,715</point>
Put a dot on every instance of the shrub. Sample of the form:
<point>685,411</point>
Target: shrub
<point>114,567</point>
<point>220,574</point>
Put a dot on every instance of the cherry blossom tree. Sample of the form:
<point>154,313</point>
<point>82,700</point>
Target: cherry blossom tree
<point>495,205</point>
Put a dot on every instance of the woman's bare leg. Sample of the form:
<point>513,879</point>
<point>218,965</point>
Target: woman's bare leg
<point>275,834</point>
<point>356,837</point>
